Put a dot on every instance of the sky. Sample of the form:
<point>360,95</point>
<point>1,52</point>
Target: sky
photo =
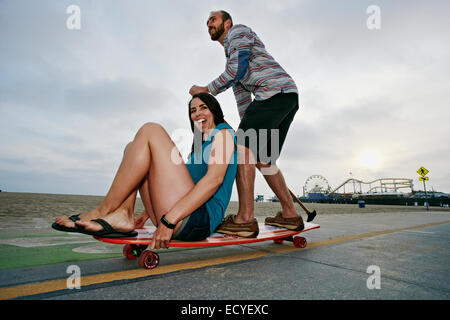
<point>373,86</point>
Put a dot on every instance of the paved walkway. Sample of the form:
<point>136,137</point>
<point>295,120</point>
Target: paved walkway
<point>352,256</point>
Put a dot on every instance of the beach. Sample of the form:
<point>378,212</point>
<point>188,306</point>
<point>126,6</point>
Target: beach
<point>38,211</point>
<point>409,244</point>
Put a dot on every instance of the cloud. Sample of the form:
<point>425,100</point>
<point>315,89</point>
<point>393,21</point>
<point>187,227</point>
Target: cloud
<point>71,100</point>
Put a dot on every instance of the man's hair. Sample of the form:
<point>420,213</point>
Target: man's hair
<point>226,16</point>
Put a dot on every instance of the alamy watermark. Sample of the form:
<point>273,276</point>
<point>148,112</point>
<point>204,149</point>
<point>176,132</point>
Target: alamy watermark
<point>73,22</point>
<point>74,280</point>
<point>374,281</point>
<point>373,21</point>
<point>257,141</point>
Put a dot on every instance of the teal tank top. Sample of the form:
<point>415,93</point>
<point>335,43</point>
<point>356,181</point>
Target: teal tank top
<point>197,165</point>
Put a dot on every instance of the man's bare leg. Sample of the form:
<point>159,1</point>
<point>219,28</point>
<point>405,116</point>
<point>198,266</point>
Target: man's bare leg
<point>276,182</point>
<point>245,183</point>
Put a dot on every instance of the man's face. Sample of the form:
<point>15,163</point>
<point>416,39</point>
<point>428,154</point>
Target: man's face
<point>215,25</point>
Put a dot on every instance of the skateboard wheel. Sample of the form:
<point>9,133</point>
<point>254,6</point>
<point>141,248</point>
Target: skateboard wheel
<point>128,252</point>
<point>148,259</point>
<point>300,242</point>
<point>278,241</point>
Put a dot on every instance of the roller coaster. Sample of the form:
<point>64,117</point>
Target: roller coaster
<point>317,184</point>
<point>392,191</point>
<point>379,186</point>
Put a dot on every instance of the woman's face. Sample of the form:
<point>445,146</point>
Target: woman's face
<point>201,115</point>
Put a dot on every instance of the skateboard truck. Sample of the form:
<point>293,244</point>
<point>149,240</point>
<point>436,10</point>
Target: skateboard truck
<point>311,214</point>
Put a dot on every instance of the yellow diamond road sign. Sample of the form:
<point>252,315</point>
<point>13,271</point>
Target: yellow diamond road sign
<point>422,171</point>
<point>423,178</point>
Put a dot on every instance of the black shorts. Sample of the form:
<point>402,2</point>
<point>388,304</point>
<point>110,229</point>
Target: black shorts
<point>265,124</point>
<point>195,227</point>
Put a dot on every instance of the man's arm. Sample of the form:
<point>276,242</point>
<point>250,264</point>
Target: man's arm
<point>240,44</point>
<point>197,89</point>
<point>243,98</point>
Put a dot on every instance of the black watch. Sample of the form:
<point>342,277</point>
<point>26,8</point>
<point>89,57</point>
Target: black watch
<point>167,223</point>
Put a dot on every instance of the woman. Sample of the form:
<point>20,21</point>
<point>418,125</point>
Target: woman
<point>185,201</point>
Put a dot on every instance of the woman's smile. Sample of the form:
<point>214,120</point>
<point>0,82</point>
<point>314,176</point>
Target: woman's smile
<point>201,115</point>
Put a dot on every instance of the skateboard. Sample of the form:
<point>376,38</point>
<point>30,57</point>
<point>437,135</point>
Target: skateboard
<point>136,247</point>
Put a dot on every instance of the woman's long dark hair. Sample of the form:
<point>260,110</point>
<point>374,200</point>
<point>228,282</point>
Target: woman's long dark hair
<point>216,110</point>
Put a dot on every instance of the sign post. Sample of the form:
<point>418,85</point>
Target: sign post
<point>423,172</point>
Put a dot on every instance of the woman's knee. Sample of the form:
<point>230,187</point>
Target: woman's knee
<point>152,126</point>
<point>149,128</point>
<point>127,146</point>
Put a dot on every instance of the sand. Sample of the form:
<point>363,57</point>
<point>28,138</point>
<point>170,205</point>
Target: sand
<point>264,209</point>
<point>38,211</point>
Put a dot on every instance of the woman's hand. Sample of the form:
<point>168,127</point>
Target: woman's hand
<point>161,237</point>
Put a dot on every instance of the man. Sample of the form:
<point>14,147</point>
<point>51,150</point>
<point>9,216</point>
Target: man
<point>250,69</point>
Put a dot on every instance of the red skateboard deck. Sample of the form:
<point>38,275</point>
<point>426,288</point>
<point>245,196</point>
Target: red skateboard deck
<point>135,247</point>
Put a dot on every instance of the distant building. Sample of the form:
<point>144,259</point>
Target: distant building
<point>430,194</point>
<point>316,195</point>
<point>259,198</point>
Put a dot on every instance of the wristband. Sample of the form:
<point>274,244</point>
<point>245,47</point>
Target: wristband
<point>167,223</point>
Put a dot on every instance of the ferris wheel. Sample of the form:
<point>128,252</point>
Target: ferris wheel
<point>317,184</point>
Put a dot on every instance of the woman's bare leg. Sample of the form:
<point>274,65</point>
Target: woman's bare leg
<point>144,191</point>
<point>150,156</point>
<point>122,186</point>
<point>122,219</point>
<point>141,219</point>
<point>168,179</point>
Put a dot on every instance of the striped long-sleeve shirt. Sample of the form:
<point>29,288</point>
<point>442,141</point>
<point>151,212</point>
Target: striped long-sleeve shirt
<point>250,69</point>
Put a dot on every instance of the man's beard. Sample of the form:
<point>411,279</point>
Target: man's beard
<point>219,31</point>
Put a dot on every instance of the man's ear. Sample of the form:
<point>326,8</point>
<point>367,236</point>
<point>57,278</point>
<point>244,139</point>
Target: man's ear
<point>228,24</point>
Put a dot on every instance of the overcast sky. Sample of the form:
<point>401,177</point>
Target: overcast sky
<point>374,102</point>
